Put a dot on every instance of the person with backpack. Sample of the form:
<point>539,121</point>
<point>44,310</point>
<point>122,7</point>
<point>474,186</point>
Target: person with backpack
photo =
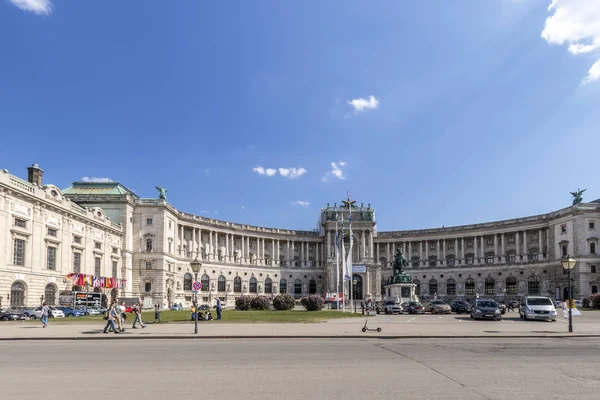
<point>44,315</point>
<point>110,316</point>
<point>138,316</point>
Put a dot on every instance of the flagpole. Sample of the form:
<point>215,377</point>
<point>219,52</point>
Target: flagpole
<point>337,266</point>
<point>343,269</point>
<point>349,262</point>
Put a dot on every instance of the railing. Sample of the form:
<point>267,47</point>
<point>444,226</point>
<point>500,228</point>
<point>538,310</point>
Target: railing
<point>79,209</point>
<point>28,187</point>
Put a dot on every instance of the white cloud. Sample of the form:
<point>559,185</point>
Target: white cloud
<point>337,171</point>
<point>291,173</point>
<point>94,179</point>
<point>243,207</point>
<point>361,104</point>
<point>301,203</point>
<point>39,7</point>
<point>576,23</point>
<point>207,171</point>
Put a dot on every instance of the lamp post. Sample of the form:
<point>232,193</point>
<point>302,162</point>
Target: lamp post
<point>568,263</point>
<point>354,282</point>
<point>195,265</point>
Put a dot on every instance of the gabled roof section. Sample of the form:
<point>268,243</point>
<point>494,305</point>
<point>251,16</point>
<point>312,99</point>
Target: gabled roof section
<point>596,201</point>
<point>99,188</point>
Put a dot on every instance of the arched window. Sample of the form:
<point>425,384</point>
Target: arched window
<point>533,285</point>
<point>490,286</point>
<point>298,286</point>
<point>205,281</point>
<point>221,284</point>
<point>592,248</point>
<point>564,250</point>
<point>148,244</point>
<point>268,285</point>
<point>511,285</point>
<point>50,294</point>
<point>470,287</point>
<point>17,294</point>
<point>417,287</point>
<point>253,285</point>
<point>433,287</point>
<point>312,286</point>
<point>451,287</point>
<point>187,281</point>
<point>237,284</point>
<point>282,286</point>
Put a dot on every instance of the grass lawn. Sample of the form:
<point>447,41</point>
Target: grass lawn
<point>228,316</point>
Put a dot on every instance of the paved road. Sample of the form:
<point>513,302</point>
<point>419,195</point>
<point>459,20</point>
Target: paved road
<point>515,369</point>
<point>392,325</point>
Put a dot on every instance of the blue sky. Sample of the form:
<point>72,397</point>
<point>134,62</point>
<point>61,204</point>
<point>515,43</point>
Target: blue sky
<point>437,113</point>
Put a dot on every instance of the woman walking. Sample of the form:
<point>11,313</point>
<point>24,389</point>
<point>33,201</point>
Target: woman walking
<point>45,313</point>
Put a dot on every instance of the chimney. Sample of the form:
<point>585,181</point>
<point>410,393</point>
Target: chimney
<point>34,175</point>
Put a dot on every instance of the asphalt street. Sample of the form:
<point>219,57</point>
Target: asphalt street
<point>302,369</point>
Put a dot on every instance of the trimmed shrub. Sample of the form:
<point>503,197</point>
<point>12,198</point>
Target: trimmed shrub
<point>283,302</point>
<point>242,303</point>
<point>260,303</point>
<point>312,303</point>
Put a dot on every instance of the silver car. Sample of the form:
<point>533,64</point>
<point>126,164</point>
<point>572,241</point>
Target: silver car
<point>537,307</point>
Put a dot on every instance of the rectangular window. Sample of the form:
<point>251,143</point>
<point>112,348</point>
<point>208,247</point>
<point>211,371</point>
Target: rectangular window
<point>19,252</point>
<point>52,232</point>
<point>511,258</point>
<point>593,269</point>
<point>148,264</point>
<point>21,223</point>
<point>77,239</point>
<point>115,250</point>
<point>98,245</point>
<point>115,267</point>
<point>148,286</point>
<point>51,258</point>
<point>489,259</point>
<point>148,221</point>
<point>511,240</point>
<point>563,229</point>
<point>489,242</point>
<point>469,260</point>
<point>97,266</point>
<point>450,245</point>
<point>564,250</point>
<point>592,226</point>
<point>77,262</point>
<point>431,246</point>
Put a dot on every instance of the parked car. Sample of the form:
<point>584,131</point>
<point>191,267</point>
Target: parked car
<point>486,309</point>
<point>413,307</point>
<point>71,312</point>
<point>177,307</point>
<point>502,307</point>
<point>54,313</point>
<point>12,316</point>
<point>438,307</point>
<point>391,307</point>
<point>459,306</point>
<point>537,307</point>
<point>579,303</point>
<point>21,310</point>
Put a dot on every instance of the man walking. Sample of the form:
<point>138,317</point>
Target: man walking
<point>44,315</point>
<point>138,316</point>
<point>118,319</point>
<point>111,319</point>
<point>218,308</point>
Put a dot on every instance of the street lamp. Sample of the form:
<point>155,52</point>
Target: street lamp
<point>196,268</point>
<point>568,263</point>
<point>354,282</point>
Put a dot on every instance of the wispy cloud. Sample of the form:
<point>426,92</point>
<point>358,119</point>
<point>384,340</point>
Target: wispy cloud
<point>576,23</point>
<point>337,171</point>
<point>207,171</point>
<point>243,207</point>
<point>95,179</point>
<point>361,104</point>
<point>301,203</point>
<point>39,7</point>
<point>291,173</point>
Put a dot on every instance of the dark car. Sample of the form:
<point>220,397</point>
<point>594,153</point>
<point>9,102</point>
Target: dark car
<point>485,309</point>
<point>28,311</point>
<point>12,316</point>
<point>413,307</point>
<point>460,307</point>
<point>502,307</point>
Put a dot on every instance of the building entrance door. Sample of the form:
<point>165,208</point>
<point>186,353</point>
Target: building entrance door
<point>357,293</point>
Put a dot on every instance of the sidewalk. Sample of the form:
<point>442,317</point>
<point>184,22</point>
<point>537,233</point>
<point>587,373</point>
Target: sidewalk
<point>392,327</point>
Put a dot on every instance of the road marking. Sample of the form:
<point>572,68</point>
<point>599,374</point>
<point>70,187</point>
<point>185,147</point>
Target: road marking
<point>412,319</point>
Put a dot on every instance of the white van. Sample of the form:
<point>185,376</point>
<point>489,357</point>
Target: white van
<point>537,307</point>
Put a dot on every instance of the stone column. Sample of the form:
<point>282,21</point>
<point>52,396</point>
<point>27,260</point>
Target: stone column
<point>372,245</point>
<point>263,251</point>
<point>377,255</point>
<point>548,244</point>
<point>476,250</point>
<point>317,255</point>
<point>243,250</point>
<point>288,257</point>
<point>495,246</point>
<point>409,251</point>
<point>503,248</point>
<point>387,254</point>
<point>293,254</point>
<point>437,252</point>
<point>363,245</point>
<point>273,259</point>
<point>541,250</point>
<point>200,246</point>
<point>426,253</point>
<point>328,243</point>
<point>181,241</point>
<point>193,250</point>
<point>378,283</point>
<point>463,248</point>
<point>443,251</point>
<point>210,244</point>
<point>307,254</point>
<point>368,274</point>
<point>227,247</point>
<point>525,249</point>
<point>518,250</point>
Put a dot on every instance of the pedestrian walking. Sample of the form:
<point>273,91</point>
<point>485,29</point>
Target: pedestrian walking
<point>137,309</point>
<point>111,315</point>
<point>218,308</point>
<point>118,321</point>
<point>44,315</point>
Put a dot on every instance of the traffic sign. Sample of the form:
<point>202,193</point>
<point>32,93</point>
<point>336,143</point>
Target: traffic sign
<point>197,286</point>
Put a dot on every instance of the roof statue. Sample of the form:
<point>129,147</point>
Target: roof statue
<point>577,199</point>
<point>162,192</point>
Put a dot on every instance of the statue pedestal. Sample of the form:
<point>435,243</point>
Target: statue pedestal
<point>400,288</point>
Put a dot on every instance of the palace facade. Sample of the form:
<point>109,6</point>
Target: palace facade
<point>106,230</point>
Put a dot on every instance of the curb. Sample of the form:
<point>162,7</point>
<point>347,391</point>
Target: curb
<point>225,337</point>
